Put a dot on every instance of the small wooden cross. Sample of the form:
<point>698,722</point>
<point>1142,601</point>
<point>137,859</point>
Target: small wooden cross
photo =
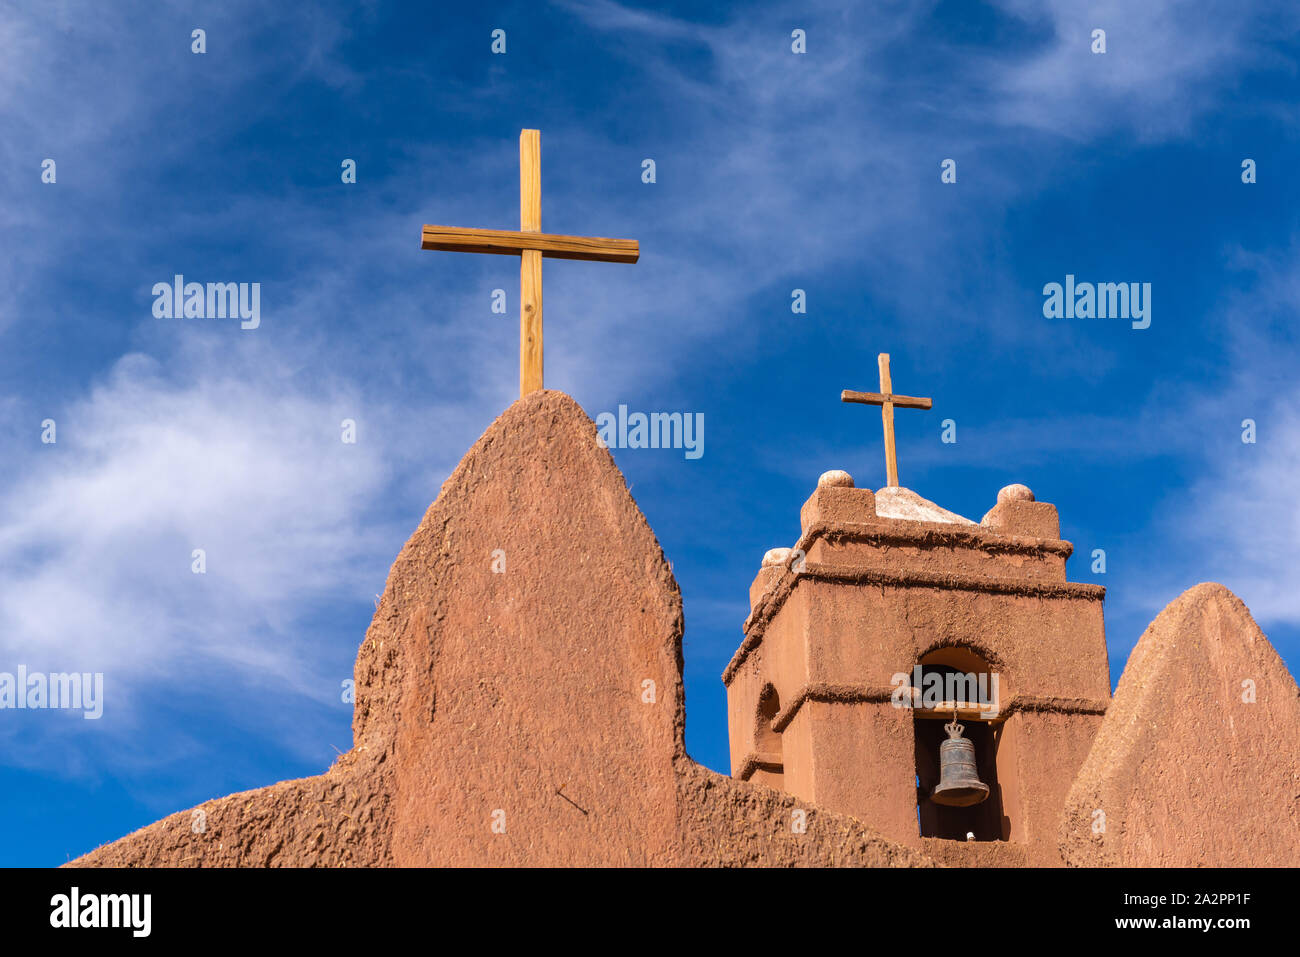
<point>887,401</point>
<point>530,244</point>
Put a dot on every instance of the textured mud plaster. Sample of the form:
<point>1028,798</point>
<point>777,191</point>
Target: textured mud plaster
<point>532,715</point>
<point>1185,770</point>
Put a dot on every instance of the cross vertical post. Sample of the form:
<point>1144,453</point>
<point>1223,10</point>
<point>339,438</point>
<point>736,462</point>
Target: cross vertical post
<point>887,400</point>
<point>530,263</point>
<point>887,417</point>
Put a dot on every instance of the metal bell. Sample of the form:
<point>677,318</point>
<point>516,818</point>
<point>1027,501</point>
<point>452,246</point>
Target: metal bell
<point>959,782</point>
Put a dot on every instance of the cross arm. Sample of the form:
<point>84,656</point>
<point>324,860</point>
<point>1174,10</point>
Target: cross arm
<point>508,241</point>
<point>876,398</point>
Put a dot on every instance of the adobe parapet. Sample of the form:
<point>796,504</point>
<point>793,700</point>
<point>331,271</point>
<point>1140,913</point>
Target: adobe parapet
<point>896,538</point>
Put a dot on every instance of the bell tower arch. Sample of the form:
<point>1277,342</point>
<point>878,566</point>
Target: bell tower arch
<point>960,677</point>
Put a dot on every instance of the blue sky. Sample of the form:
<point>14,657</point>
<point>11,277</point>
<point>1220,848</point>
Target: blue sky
<point>774,171</point>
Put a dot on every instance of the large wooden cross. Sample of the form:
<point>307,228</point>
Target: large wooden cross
<point>887,401</point>
<point>530,244</point>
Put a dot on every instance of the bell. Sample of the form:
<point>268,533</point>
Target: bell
<point>959,782</point>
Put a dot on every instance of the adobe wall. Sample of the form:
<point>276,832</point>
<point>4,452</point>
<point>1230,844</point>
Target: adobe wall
<point>1196,763</point>
<point>1049,749</point>
<point>847,746</point>
<point>519,699</point>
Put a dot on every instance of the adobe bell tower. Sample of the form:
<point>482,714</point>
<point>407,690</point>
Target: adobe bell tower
<point>884,596</point>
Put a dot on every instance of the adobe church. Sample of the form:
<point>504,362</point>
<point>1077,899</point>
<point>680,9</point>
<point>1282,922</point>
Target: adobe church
<point>461,756</point>
<point>531,711</point>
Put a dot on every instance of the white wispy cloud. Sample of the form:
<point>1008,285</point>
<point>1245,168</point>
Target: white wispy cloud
<point>98,530</point>
<point>1166,64</point>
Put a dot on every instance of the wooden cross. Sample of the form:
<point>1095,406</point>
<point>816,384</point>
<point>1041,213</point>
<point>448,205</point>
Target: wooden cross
<point>530,244</point>
<point>887,401</point>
